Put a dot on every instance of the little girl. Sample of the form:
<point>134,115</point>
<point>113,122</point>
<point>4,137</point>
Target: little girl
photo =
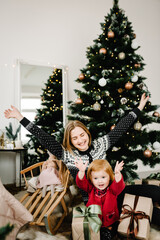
<point>103,187</point>
<point>49,176</point>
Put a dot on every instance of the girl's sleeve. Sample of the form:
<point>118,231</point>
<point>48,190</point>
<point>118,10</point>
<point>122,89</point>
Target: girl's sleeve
<point>83,184</point>
<point>117,187</point>
<point>48,141</point>
<point>123,125</point>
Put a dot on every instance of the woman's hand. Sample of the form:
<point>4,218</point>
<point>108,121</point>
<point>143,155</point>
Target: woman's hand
<point>13,113</point>
<point>117,170</point>
<point>143,101</point>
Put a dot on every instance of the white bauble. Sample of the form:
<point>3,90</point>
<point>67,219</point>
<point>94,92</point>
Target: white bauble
<point>96,106</point>
<point>156,145</point>
<point>134,78</point>
<point>102,82</point>
<point>134,45</point>
<point>121,55</point>
<point>123,100</point>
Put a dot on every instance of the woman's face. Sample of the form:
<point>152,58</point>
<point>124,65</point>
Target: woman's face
<point>79,139</point>
<point>100,179</point>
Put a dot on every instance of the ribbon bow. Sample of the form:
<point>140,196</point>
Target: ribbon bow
<point>135,216</point>
<point>91,218</point>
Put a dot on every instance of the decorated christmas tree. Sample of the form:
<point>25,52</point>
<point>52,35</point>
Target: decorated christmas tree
<point>49,117</point>
<point>113,85</point>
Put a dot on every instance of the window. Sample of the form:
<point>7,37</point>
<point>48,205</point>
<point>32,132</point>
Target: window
<point>28,109</point>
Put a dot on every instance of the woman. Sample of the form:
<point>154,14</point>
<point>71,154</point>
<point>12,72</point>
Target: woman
<point>77,140</point>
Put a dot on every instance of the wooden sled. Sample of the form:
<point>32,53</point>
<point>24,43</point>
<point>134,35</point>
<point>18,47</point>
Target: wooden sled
<point>42,208</point>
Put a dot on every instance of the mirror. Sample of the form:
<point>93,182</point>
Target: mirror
<point>32,77</point>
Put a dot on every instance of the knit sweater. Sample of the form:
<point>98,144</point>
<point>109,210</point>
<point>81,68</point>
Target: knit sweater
<point>96,151</point>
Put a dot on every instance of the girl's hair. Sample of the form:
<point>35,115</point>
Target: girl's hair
<point>98,165</point>
<point>67,144</point>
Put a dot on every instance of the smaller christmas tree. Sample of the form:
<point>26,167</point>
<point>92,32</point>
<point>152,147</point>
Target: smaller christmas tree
<point>49,117</point>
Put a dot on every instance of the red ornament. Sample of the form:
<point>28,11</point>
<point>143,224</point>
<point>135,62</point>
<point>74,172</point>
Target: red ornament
<point>102,51</point>
<point>78,101</point>
<point>110,34</point>
<point>128,85</point>
<point>156,114</point>
<point>147,153</point>
<point>112,127</point>
<point>137,65</point>
<point>81,76</point>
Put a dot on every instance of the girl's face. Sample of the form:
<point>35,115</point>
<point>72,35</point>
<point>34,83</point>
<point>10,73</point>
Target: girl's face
<point>79,139</point>
<point>100,179</point>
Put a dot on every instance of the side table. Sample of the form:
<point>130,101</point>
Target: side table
<point>19,157</point>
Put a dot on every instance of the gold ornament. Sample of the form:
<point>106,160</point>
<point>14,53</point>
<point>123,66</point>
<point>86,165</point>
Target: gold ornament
<point>128,85</point>
<point>81,76</point>
<point>110,34</point>
<point>96,106</point>
<point>147,153</point>
<point>112,127</point>
<point>137,65</point>
<point>137,126</point>
<point>120,90</point>
<point>121,55</point>
<point>156,114</point>
<point>134,35</point>
<point>78,101</point>
<point>102,51</point>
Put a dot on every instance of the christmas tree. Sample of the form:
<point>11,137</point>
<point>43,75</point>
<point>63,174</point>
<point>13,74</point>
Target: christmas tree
<point>113,86</point>
<point>49,117</point>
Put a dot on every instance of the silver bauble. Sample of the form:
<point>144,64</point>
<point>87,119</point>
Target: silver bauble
<point>156,145</point>
<point>102,82</point>
<point>134,78</point>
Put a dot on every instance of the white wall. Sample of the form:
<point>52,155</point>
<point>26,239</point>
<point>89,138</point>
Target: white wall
<point>60,32</point>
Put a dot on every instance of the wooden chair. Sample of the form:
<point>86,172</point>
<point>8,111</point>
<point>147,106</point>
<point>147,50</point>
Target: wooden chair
<point>42,208</point>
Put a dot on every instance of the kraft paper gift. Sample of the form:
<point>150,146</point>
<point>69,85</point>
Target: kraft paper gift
<point>85,223</point>
<point>135,217</point>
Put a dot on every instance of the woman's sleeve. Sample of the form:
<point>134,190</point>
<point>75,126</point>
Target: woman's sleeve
<point>123,125</point>
<point>48,141</point>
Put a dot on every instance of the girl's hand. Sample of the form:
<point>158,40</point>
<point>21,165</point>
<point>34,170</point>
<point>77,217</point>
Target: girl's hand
<point>117,170</point>
<point>143,101</point>
<point>80,165</point>
<point>13,113</point>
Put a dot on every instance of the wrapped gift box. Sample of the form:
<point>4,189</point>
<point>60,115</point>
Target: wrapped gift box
<point>145,205</point>
<point>135,182</point>
<point>152,182</point>
<point>77,228</point>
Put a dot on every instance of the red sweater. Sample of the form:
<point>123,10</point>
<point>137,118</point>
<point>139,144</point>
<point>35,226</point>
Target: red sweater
<point>107,201</point>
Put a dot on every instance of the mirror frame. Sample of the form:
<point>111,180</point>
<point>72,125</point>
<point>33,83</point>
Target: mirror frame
<point>64,82</point>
